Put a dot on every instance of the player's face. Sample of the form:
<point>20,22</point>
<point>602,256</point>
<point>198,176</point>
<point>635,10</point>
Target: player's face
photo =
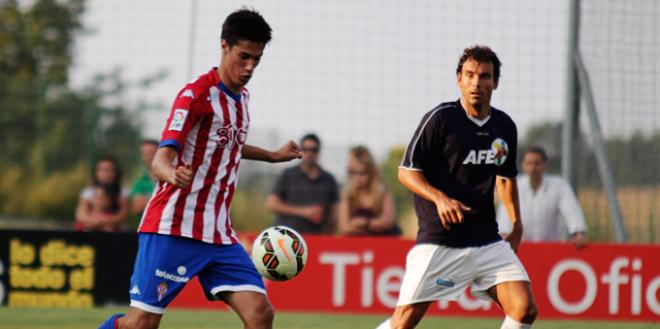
<point>239,61</point>
<point>533,165</point>
<point>477,82</point>
<point>310,151</point>
<point>358,173</point>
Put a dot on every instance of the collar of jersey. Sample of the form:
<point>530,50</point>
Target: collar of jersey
<point>479,123</point>
<point>235,97</point>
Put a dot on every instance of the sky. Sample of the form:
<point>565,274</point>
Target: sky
<point>353,71</point>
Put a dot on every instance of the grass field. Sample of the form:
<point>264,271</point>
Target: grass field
<point>179,319</point>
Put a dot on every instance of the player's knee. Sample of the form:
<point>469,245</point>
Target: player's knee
<point>140,320</point>
<point>407,317</point>
<point>525,312</point>
<point>260,317</point>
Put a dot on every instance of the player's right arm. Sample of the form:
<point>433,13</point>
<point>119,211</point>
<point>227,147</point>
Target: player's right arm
<point>423,146</point>
<point>449,210</point>
<point>163,168</point>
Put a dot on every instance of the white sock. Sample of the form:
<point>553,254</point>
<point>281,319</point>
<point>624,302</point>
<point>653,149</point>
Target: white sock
<point>385,325</point>
<point>510,323</point>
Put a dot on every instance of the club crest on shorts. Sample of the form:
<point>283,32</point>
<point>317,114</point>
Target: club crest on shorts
<point>162,290</point>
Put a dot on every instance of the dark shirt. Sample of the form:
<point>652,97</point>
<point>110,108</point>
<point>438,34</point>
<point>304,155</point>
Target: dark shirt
<point>461,159</point>
<point>294,187</point>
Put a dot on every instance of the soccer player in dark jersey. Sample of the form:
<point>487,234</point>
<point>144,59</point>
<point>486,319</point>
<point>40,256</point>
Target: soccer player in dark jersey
<point>460,152</point>
<point>186,229</point>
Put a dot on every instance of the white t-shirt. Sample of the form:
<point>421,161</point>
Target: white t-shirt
<point>88,193</point>
<point>541,211</point>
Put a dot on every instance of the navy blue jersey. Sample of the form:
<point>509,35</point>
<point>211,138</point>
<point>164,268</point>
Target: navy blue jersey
<point>461,159</point>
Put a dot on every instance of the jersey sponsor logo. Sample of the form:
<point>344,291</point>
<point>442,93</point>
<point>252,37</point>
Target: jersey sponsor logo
<point>172,277</point>
<point>187,93</point>
<point>178,119</point>
<point>228,135</point>
<point>497,154</point>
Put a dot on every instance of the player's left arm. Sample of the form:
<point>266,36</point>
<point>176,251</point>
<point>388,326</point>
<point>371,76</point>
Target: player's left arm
<point>507,188</point>
<point>287,152</point>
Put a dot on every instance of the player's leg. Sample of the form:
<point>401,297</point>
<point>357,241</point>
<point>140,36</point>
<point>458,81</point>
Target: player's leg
<point>406,316</point>
<point>162,268</point>
<point>432,272</point>
<point>253,308</point>
<point>502,277</point>
<point>516,300</point>
<point>232,278</point>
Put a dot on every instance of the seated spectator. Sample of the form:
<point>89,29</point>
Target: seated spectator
<point>366,207</point>
<point>305,196</point>
<point>545,200</point>
<point>103,205</point>
<point>143,186</point>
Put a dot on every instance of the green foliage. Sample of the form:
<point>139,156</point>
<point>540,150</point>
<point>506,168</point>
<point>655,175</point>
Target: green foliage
<point>389,168</point>
<point>51,134</point>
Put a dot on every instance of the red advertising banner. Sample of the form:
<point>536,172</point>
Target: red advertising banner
<point>362,275</point>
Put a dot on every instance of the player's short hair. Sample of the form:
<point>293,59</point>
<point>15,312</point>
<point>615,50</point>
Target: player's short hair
<point>245,24</point>
<point>312,137</point>
<point>481,54</point>
<point>535,149</point>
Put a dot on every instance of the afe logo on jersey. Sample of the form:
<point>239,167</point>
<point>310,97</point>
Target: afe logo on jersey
<point>499,150</point>
<point>227,135</point>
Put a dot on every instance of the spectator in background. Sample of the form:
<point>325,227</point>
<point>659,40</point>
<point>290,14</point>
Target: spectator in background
<point>305,196</point>
<point>103,205</point>
<point>366,207</point>
<point>144,185</point>
<point>543,200</point>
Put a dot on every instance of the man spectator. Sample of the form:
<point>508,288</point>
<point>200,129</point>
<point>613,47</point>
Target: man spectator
<point>543,200</point>
<point>305,197</point>
<point>144,185</point>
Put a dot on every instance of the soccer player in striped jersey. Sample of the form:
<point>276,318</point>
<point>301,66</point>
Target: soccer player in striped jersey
<point>460,152</point>
<point>186,229</point>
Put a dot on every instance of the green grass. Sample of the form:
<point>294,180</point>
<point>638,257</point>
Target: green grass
<point>11,318</point>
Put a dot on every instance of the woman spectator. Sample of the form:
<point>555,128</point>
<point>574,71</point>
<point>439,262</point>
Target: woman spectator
<point>366,207</point>
<point>103,205</point>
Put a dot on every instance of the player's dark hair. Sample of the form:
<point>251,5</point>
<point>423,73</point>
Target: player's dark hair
<point>149,142</point>
<point>312,137</point>
<point>481,54</point>
<point>112,189</point>
<point>245,24</point>
<point>536,150</point>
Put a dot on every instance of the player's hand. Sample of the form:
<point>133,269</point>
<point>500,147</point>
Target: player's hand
<point>579,240</point>
<point>287,152</point>
<point>182,176</point>
<point>450,211</point>
<point>312,213</point>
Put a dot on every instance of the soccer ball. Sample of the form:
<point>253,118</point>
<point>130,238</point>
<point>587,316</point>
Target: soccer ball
<point>279,253</point>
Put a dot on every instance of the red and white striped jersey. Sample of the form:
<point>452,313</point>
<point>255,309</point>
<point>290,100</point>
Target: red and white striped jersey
<point>208,126</point>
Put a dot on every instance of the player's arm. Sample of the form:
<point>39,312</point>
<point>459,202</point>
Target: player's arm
<point>287,152</point>
<point>449,210</point>
<point>507,188</point>
<point>387,217</point>
<point>163,168</point>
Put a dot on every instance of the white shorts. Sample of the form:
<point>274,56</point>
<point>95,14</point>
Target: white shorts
<point>436,272</point>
